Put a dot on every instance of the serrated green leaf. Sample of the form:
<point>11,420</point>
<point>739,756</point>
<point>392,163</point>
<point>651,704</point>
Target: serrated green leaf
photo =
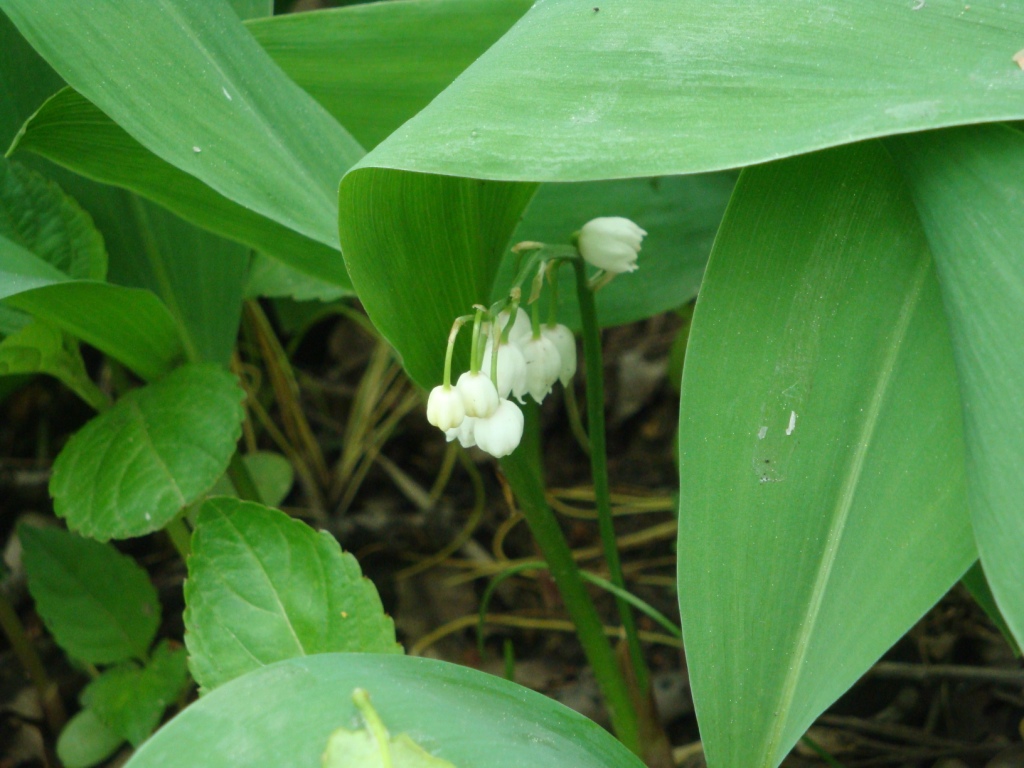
<point>86,741</point>
<point>229,116</point>
<point>41,348</point>
<point>968,185</point>
<point>263,587</point>
<point>130,470</point>
<point>130,700</point>
<point>822,493</point>
<point>467,717</point>
<point>98,604</point>
<point>36,214</point>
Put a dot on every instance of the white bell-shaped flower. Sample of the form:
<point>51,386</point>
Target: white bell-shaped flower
<point>445,409</point>
<point>565,343</point>
<point>465,433</point>
<point>543,364</point>
<point>511,369</point>
<point>611,243</point>
<point>521,329</point>
<point>500,433</point>
<point>479,395</point>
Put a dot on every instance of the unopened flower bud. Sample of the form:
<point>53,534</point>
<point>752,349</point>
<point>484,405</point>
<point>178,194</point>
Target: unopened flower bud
<point>500,433</point>
<point>565,343</point>
<point>445,409</point>
<point>479,395</point>
<point>610,243</point>
<point>511,369</point>
<point>543,365</point>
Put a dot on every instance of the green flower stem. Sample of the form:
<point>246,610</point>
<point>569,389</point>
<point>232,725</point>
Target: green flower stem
<point>476,354</point>
<point>522,470</point>
<point>599,465</point>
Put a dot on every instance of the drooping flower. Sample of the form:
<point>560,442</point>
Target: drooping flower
<point>500,433</point>
<point>511,369</point>
<point>543,364</point>
<point>479,396</point>
<point>611,243</point>
<point>445,409</point>
<point>521,329</point>
<point>565,343</point>
<point>465,433</point>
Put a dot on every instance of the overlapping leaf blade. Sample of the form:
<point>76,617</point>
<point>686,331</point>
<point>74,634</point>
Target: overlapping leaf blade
<point>228,116</point>
<point>822,492</point>
<point>968,185</point>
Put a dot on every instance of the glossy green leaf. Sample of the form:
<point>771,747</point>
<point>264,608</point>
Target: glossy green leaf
<point>682,86</point>
<point>98,604</point>
<point>37,215</point>
<point>822,492</point>
<point>131,700</point>
<point>284,714</point>
<point>375,65</point>
<point>969,187</point>
<point>130,470</point>
<point>86,741</point>
<point>128,324</point>
<point>263,587</point>
<point>680,214</point>
<point>41,348</point>
<point>199,277</point>
<point>228,116</point>
<point>648,89</point>
<point>73,133</point>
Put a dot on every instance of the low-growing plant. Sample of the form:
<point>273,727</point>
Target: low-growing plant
<point>852,406</point>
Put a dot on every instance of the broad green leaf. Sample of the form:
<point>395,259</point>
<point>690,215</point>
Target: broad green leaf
<point>198,276</point>
<point>98,604</point>
<point>271,472</point>
<point>228,116</point>
<point>375,65</point>
<point>274,278</point>
<point>976,583</point>
<point>37,215</point>
<point>253,9</point>
<point>73,133</point>
<point>26,81</point>
<point>373,747</point>
<point>680,214</point>
<point>969,187</point>
<point>284,714</point>
<point>130,470</point>
<point>128,324</point>
<point>263,587</point>
<point>41,348</point>
<point>683,86</point>
<point>86,741</point>
<point>822,494</point>
<point>131,700</point>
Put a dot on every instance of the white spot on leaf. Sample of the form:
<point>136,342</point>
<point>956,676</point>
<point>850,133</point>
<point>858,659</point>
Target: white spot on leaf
<point>792,423</point>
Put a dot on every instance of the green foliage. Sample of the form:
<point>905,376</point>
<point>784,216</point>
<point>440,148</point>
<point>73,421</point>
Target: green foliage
<point>41,348</point>
<point>967,186</point>
<point>97,603</point>
<point>821,448</point>
<point>130,700</point>
<point>466,717</point>
<point>133,468</point>
<point>271,472</point>
<point>263,587</point>
<point>86,741</point>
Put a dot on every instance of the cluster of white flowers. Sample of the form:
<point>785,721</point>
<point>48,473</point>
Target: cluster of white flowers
<point>478,411</point>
